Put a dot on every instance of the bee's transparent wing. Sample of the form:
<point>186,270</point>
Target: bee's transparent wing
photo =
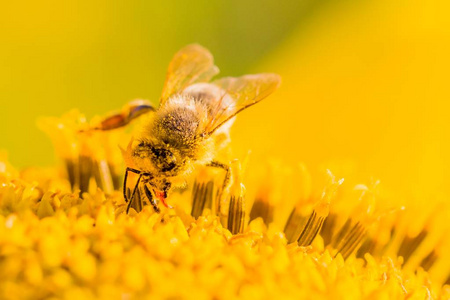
<point>190,65</point>
<point>246,91</point>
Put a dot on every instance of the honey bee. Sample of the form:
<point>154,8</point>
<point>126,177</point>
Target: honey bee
<point>190,125</point>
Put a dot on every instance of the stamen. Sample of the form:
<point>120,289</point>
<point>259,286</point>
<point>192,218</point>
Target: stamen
<point>351,240</point>
<point>349,237</point>
<point>316,218</point>
<point>368,246</point>
<point>72,172</point>
<point>429,260</point>
<point>236,215</point>
<point>410,244</point>
<point>262,209</point>
<point>85,167</point>
<point>102,175</point>
<point>202,197</point>
<point>311,229</point>
<point>328,228</point>
<point>294,225</point>
<point>300,213</point>
<point>116,175</point>
<point>236,211</point>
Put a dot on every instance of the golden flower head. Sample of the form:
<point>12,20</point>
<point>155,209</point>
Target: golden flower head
<point>56,244</point>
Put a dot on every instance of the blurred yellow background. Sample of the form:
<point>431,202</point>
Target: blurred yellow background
<point>364,82</point>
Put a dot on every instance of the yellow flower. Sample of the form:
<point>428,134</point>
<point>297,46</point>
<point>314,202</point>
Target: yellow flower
<point>340,240</point>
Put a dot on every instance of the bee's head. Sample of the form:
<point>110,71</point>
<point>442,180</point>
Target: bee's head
<point>163,159</point>
<point>156,158</point>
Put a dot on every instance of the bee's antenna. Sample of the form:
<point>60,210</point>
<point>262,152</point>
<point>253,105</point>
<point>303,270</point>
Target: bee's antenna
<point>135,187</point>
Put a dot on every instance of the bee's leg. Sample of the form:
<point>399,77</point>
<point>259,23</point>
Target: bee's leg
<point>125,181</point>
<point>216,164</point>
<point>130,112</point>
<point>226,181</point>
<point>151,199</point>
<point>135,187</point>
<point>166,189</point>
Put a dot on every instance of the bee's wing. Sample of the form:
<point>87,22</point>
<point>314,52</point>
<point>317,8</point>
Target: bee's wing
<point>246,91</point>
<point>190,65</point>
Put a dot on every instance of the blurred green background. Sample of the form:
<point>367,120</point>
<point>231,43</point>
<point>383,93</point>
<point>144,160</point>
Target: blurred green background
<point>97,55</point>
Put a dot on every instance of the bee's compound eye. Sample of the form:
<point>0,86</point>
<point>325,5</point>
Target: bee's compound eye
<point>164,159</point>
<point>141,149</point>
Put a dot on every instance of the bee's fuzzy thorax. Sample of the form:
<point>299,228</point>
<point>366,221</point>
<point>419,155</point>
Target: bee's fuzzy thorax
<point>175,127</point>
<point>178,124</point>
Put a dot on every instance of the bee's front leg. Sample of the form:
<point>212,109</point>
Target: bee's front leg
<point>149,195</point>
<point>130,201</point>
